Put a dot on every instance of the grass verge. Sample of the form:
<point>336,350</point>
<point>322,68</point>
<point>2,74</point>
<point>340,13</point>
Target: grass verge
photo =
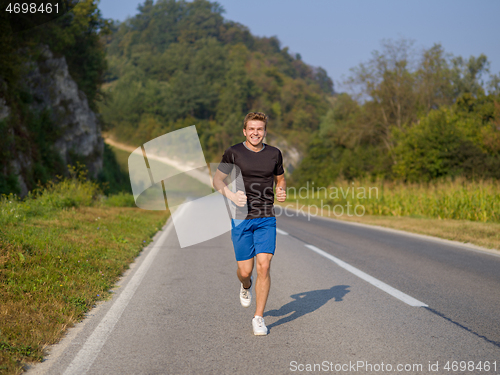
<point>60,252</point>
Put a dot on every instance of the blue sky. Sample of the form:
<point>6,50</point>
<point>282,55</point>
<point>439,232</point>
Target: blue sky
<point>338,35</point>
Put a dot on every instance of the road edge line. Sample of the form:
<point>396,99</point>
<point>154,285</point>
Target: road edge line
<point>84,359</point>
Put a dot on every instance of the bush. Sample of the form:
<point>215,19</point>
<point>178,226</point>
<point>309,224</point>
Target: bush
<point>75,191</point>
<point>120,200</point>
<point>440,146</point>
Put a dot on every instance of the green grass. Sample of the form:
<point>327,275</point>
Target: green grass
<point>459,199</point>
<point>120,200</point>
<point>61,250</point>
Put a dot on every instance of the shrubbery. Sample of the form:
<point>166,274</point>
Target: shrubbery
<point>75,191</point>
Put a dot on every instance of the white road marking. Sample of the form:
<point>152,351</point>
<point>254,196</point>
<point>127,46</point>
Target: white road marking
<point>375,282</point>
<point>88,353</point>
<point>281,232</point>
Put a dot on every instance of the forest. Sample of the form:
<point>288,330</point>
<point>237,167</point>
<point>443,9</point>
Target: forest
<point>177,64</point>
<point>405,115</point>
<point>410,116</point>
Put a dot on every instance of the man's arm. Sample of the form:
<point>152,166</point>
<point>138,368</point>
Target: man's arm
<point>280,187</point>
<point>239,198</point>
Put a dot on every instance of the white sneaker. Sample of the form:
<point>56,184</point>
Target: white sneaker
<point>259,327</point>
<point>246,295</point>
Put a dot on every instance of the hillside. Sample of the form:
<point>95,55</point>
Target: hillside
<point>180,63</point>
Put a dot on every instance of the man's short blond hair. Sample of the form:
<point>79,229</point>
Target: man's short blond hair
<point>257,116</point>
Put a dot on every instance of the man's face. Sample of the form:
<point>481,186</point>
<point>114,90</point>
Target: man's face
<point>255,132</point>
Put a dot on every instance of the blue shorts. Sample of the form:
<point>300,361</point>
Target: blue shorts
<point>253,236</point>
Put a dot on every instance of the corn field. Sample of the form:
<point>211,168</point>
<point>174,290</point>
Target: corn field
<point>459,199</point>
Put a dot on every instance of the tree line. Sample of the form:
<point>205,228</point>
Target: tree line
<point>412,116</point>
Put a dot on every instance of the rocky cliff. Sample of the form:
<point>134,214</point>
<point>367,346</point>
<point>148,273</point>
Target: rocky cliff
<point>79,133</point>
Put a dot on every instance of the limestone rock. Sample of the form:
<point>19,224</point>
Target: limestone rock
<point>52,88</point>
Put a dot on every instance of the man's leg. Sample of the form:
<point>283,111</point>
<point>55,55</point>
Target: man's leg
<point>244,271</point>
<point>263,282</point>
<point>242,237</point>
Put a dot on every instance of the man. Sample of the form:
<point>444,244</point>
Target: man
<point>261,165</point>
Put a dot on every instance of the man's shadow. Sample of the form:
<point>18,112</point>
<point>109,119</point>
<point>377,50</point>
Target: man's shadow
<point>307,302</point>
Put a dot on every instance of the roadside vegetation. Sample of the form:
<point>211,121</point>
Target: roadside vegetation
<point>456,209</point>
<point>61,250</point>
<point>485,235</point>
<point>445,199</point>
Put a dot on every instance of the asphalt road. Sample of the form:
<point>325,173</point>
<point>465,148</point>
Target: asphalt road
<point>177,311</point>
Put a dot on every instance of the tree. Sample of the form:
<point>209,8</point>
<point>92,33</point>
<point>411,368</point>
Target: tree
<point>494,85</point>
<point>388,83</point>
<point>451,141</point>
<point>433,80</point>
<point>467,74</point>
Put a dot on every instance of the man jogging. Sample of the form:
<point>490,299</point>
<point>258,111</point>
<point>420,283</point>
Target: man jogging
<point>254,236</point>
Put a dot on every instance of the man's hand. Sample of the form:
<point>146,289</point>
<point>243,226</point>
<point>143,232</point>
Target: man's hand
<point>280,194</point>
<point>240,199</point>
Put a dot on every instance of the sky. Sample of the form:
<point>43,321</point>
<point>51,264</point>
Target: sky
<point>339,35</point>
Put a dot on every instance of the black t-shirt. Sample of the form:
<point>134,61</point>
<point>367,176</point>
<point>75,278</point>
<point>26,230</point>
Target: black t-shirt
<point>258,170</point>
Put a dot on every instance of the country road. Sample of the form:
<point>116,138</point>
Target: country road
<point>202,176</point>
<point>344,298</point>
